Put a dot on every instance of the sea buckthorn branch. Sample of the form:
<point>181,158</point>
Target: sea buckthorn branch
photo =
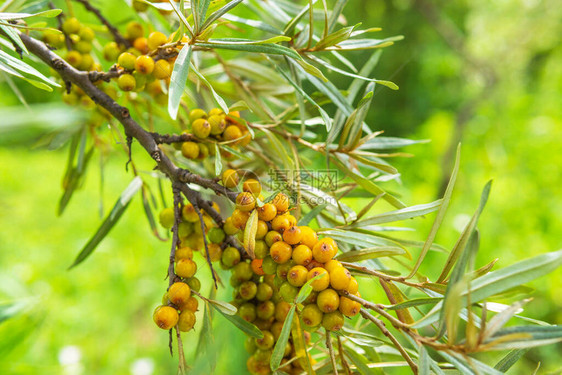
<point>175,237</point>
<point>172,138</point>
<point>112,29</point>
<point>344,363</point>
<point>113,72</point>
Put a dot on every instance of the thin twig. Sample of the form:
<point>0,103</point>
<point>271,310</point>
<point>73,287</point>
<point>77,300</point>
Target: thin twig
<point>182,366</point>
<point>331,351</point>
<point>342,357</point>
<point>175,237</point>
<point>67,40</point>
<point>380,324</point>
<point>120,39</point>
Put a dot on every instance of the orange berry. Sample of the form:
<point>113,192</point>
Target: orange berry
<point>340,278</point>
<point>162,69</point>
<point>188,213</point>
<point>186,320</point>
<point>179,293</point>
<point>192,304</point>
<point>322,282</point>
<point>302,255</point>
<point>281,202</point>
<point>349,307</point>
<point>184,253</point>
<point>322,251</point>
<point>267,212</point>
<point>292,235</point>
<point>239,218</point>
<point>297,276</point>
<point>332,265</point>
<point>280,252</point>
<point>281,223</point>
<point>309,236</point>
<point>165,317</point>
<point>353,286</point>
<point>186,268</point>
<point>245,201</point>
<point>231,133</point>
<point>141,44</point>
<point>256,267</point>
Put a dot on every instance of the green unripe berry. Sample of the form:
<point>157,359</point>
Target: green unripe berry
<point>230,257</point>
<point>218,124</point>
<point>127,61</point>
<point>86,63</point>
<point>242,271</point>
<point>194,283</point>
<point>126,82</point>
<point>83,47</point>
<point>263,356</point>
<point>86,34</point>
<point>269,266</point>
<point>140,6</point>
<point>141,81</point>
<point>311,315</point>
<point>134,30</point>
<point>111,51</point>
<point>216,235</point>
<point>265,310</point>
<point>247,312</point>
<point>250,345</point>
<point>261,250</point>
<point>264,292</point>
<point>248,290</point>
<point>288,292</point>
<point>333,321</point>
<point>71,26</point>
<point>266,342</point>
<point>74,58</point>
<point>201,128</point>
<point>184,229</point>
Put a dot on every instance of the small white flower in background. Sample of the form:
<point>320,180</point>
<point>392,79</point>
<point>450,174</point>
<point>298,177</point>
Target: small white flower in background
<point>142,366</point>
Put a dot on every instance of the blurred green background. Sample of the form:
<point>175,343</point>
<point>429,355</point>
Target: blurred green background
<point>487,73</point>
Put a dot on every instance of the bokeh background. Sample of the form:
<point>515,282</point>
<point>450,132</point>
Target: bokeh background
<point>484,73</point>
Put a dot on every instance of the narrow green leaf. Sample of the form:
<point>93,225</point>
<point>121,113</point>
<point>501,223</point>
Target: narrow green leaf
<point>291,25</point>
<point>279,149</point>
<point>178,80</point>
<point>241,324</point>
<point>360,44</point>
<point>365,254</point>
<point>279,349</point>
<point>312,214</point>
<point>9,310</point>
<point>335,37</point>
<point>252,23</point>
<point>423,361</point>
<point>399,215</point>
<point>219,13</point>
<point>466,234</point>
<point>360,362</point>
<point>354,123</point>
<point>17,16</point>
<point>500,319</point>
<point>14,36</point>
<point>440,213</point>
<point>248,42</point>
<point>510,359</point>
<point>311,69</point>
<point>336,12</point>
<point>199,11</point>
<point>250,233</point>
<point>110,221</point>
<point>220,101</point>
<point>306,289</point>
<point>25,68</point>
<point>224,307</point>
<point>414,302</point>
<point>299,89</point>
<point>267,48</point>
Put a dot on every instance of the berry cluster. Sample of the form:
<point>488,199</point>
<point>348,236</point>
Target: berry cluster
<point>217,126</point>
<point>190,235</point>
<point>286,256</point>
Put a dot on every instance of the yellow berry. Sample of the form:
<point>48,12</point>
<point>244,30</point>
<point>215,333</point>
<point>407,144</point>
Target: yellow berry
<point>217,124</point>
<point>156,39</point>
<point>201,128</point>
<point>230,178</point>
<point>127,60</point>
<point>71,26</point>
<point>186,268</point>
<point>179,293</point>
<point>245,202</point>
<point>196,114</point>
<point>162,69</point>
<point>190,150</point>
<point>144,64</point>
<point>186,320</point>
<point>134,30</point>
<point>111,51</point>
<point>74,58</point>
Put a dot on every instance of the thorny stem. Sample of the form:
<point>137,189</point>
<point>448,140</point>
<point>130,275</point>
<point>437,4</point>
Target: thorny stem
<point>112,29</point>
